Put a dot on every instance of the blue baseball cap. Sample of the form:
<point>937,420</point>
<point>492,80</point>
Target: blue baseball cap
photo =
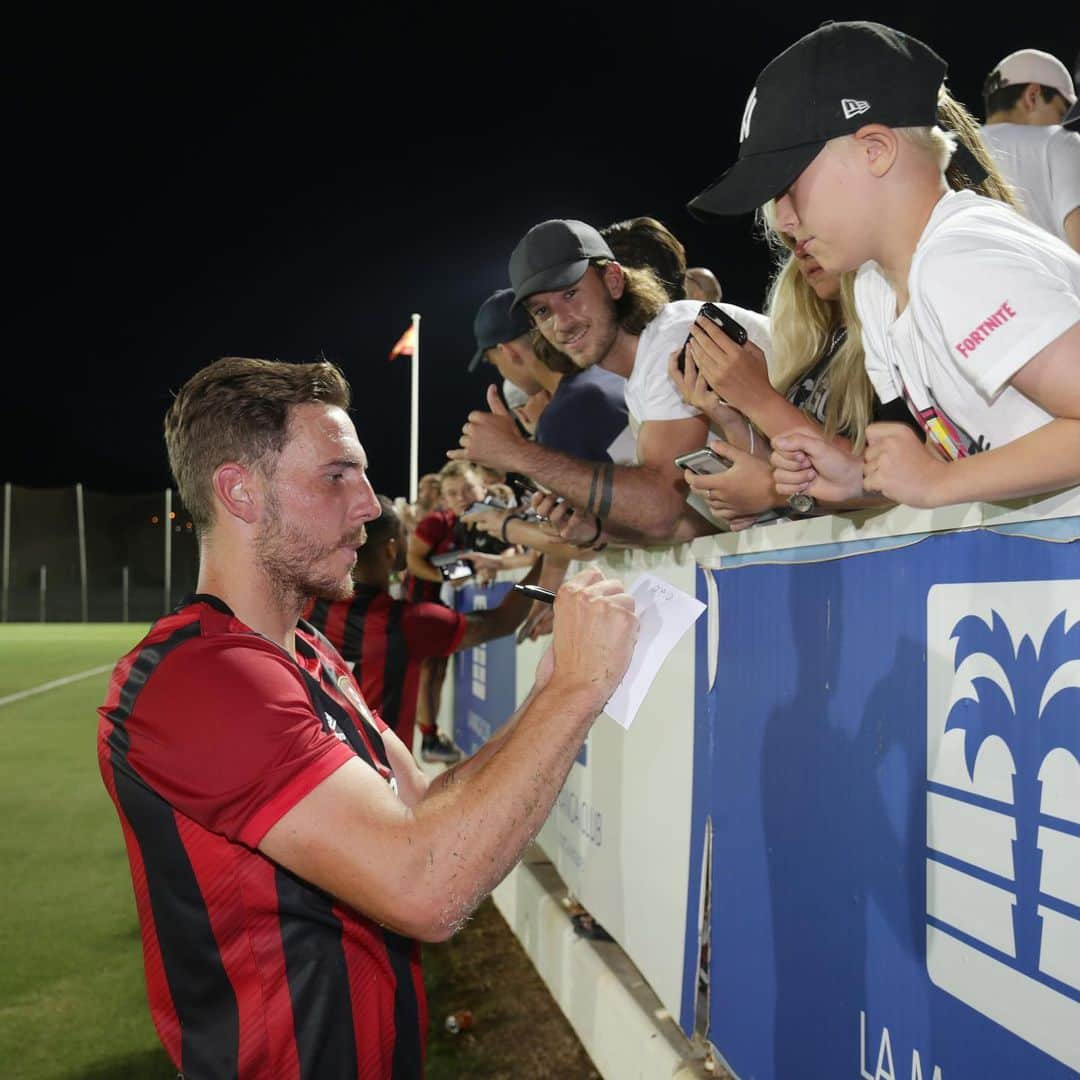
<point>497,321</point>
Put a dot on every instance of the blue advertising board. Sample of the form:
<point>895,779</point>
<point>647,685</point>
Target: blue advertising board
<point>484,677</point>
<point>889,755</point>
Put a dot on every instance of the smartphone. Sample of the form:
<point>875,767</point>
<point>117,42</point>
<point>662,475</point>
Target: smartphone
<point>480,507</point>
<point>734,330</point>
<point>704,462</point>
<point>455,571</point>
<point>446,558</point>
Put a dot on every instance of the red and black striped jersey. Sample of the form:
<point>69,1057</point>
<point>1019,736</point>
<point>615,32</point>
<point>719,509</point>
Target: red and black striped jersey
<point>209,734</point>
<point>385,640</point>
<point>439,531</point>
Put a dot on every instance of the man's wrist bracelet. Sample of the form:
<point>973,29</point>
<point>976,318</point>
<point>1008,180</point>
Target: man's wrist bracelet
<point>506,521</point>
<point>596,536</point>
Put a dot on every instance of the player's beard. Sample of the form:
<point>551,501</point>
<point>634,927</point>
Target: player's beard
<point>290,559</point>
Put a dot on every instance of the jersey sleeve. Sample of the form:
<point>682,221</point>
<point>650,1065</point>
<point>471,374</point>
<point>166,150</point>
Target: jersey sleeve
<point>433,529</point>
<point>995,307</point>
<point>1063,168</point>
<point>432,630</point>
<point>226,734</point>
<point>650,393</point>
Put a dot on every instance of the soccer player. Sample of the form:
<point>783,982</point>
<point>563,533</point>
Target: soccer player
<point>286,851</point>
<point>384,640</point>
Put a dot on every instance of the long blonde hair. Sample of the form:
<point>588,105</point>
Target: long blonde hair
<point>802,328</point>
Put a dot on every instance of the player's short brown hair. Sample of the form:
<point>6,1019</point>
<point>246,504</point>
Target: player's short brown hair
<point>237,409</point>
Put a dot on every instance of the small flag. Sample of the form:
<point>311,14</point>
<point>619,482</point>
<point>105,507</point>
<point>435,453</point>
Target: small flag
<point>406,345</point>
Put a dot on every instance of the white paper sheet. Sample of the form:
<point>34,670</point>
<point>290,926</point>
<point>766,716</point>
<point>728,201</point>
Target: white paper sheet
<point>665,614</point>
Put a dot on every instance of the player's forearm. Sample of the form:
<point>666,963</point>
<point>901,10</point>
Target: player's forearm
<point>470,831</point>
<point>1047,459</point>
<point>477,759</point>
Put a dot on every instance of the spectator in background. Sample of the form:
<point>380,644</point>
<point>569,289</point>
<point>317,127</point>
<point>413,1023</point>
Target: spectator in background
<point>442,531</point>
<point>584,415</point>
<point>602,315</point>
<point>384,640</point>
<point>701,284</point>
<point>817,381</point>
<point>968,311</point>
<point>1071,120</point>
<point>586,412</point>
<point>428,500</point>
<point>643,243</point>
<point>1027,96</point>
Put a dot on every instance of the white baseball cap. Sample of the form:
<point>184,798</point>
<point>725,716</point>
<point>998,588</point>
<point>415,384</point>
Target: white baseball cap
<point>1034,66</point>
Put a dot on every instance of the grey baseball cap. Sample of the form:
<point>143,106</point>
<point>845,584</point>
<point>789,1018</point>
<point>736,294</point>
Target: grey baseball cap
<point>554,254</point>
<point>497,321</point>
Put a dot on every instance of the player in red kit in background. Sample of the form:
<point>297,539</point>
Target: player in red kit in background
<point>384,640</point>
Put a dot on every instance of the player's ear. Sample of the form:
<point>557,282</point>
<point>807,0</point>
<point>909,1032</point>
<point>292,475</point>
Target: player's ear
<point>236,489</point>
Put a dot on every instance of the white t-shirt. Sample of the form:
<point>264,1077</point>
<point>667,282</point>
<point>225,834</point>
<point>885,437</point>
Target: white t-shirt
<point>650,393</point>
<point>988,290</point>
<point>1043,163</point>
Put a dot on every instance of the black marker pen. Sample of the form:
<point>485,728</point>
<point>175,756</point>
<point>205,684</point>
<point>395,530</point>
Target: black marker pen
<point>534,592</point>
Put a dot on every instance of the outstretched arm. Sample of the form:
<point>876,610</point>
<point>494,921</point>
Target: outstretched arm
<point>647,499</point>
<point>422,869</point>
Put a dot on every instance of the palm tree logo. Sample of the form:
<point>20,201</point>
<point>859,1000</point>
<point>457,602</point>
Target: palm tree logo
<point>1029,700</point>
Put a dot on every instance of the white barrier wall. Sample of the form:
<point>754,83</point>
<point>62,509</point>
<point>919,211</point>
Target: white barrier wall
<point>876,727</point>
<point>621,847</point>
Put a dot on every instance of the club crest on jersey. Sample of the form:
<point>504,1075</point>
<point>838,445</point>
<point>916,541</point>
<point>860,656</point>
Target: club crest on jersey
<point>853,107</point>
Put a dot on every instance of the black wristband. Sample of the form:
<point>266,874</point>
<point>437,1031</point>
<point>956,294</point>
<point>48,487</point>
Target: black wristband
<point>596,536</point>
<point>506,521</point>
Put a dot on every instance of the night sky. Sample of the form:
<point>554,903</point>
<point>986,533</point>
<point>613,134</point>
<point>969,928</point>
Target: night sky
<point>243,181</point>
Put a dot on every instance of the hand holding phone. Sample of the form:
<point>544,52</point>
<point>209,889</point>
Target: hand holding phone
<point>704,462</point>
<point>717,315</point>
<point>480,507</point>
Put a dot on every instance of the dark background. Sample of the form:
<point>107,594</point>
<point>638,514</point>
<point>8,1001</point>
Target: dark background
<point>188,184</point>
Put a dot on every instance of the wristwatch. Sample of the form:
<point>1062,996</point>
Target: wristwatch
<point>802,503</point>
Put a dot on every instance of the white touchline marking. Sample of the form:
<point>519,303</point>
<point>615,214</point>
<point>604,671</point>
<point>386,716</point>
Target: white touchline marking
<point>19,695</point>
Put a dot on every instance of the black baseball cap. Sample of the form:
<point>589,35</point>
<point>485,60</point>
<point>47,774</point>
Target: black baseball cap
<point>554,254</point>
<point>497,321</point>
<point>829,83</point>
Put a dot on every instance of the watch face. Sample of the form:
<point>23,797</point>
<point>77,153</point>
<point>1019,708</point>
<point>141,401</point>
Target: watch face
<point>801,503</point>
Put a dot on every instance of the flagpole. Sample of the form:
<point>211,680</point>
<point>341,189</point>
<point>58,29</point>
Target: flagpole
<point>414,415</point>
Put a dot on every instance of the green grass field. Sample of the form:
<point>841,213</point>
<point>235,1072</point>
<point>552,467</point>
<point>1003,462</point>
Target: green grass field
<point>72,997</point>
